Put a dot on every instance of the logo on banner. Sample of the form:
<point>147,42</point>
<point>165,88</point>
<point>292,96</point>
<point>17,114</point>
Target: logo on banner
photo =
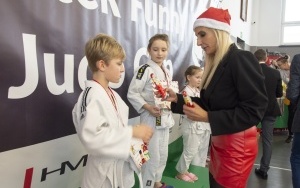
<point>46,172</point>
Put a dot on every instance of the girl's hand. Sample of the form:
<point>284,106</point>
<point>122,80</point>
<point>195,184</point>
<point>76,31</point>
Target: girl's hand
<point>154,111</point>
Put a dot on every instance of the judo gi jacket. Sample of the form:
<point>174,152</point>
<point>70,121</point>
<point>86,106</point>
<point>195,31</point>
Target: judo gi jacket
<point>104,132</point>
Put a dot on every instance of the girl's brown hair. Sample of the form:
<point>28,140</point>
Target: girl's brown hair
<point>163,37</point>
<point>191,70</point>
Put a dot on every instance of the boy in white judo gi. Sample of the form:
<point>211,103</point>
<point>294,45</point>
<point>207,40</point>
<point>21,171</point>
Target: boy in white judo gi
<point>100,117</point>
<point>140,95</point>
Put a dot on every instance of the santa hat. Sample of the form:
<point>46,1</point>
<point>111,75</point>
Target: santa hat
<point>214,18</point>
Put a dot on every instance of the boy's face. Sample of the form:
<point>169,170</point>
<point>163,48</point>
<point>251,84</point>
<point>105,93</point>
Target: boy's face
<point>114,69</point>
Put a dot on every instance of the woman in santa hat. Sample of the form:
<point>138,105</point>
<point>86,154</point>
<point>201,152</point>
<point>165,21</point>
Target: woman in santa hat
<point>233,100</point>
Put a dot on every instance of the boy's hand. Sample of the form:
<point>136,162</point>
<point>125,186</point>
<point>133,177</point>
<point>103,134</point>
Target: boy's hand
<point>143,132</point>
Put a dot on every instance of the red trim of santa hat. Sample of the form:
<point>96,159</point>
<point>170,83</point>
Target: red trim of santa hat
<point>214,18</point>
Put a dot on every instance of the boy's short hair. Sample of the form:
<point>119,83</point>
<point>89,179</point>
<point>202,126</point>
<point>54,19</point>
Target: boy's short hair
<point>103,47</point>
<point>261,55</point>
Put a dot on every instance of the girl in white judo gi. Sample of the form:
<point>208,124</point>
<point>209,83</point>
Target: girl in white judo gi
<point>195,134</point>
<point>100,117</point>
<point>141,96</point>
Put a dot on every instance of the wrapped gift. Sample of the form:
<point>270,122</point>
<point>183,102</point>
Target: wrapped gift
<point>139,152</point>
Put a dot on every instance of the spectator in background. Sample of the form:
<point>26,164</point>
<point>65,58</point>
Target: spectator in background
<point>293,94</point>
<point>284,69</point>
<point>273,83</point>
<point>283,65</point>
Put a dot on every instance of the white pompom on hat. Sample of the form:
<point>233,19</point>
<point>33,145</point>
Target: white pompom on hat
<point>214,18</point>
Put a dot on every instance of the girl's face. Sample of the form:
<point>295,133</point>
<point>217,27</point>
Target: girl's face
<point>158,51</point>
<point>195,79</point>
<point>206,39</point>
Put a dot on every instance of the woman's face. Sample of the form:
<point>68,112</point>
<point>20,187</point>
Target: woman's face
<point>158,51</point>
<point>206,39</point>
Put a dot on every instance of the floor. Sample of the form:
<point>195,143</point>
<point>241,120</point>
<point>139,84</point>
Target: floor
<point>279,175</point>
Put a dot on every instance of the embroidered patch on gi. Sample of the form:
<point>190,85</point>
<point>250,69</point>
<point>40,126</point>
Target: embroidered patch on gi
<point>149,182</point>
<point>158,121</point>
<point>141,71</point>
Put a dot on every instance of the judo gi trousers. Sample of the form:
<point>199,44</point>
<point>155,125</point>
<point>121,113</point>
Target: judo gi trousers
<point>153,169</point>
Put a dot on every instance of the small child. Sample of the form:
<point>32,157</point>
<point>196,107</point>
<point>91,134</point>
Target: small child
<point>100,117</point>
<point>196,135</point>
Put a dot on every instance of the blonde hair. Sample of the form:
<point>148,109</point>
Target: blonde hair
<point>283,59</point>
<point>103,47</point>
<point>212,61</point>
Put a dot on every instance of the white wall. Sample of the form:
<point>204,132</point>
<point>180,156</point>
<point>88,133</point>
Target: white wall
<point>239,28</point>
<point>263,25</point>
<point>267,28</point>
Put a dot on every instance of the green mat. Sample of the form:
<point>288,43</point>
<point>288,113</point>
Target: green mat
<point>175,149</point>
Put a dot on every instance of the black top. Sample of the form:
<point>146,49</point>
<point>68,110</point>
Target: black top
<point>273,83</point>
<point>236,98</point>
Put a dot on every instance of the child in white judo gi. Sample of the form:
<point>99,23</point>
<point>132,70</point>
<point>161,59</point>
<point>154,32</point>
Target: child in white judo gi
<point>141,96</point>
<point>195,134</point>
<point>100,117</point>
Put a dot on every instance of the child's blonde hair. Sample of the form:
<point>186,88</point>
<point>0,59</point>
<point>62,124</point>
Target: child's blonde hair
<point>103,47</point>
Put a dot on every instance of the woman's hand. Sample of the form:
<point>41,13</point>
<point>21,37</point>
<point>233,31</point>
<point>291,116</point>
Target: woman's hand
<point>171,95</point>
<point>195,113</point>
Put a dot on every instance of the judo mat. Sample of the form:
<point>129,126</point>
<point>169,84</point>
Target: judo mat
<point>175,149</point>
